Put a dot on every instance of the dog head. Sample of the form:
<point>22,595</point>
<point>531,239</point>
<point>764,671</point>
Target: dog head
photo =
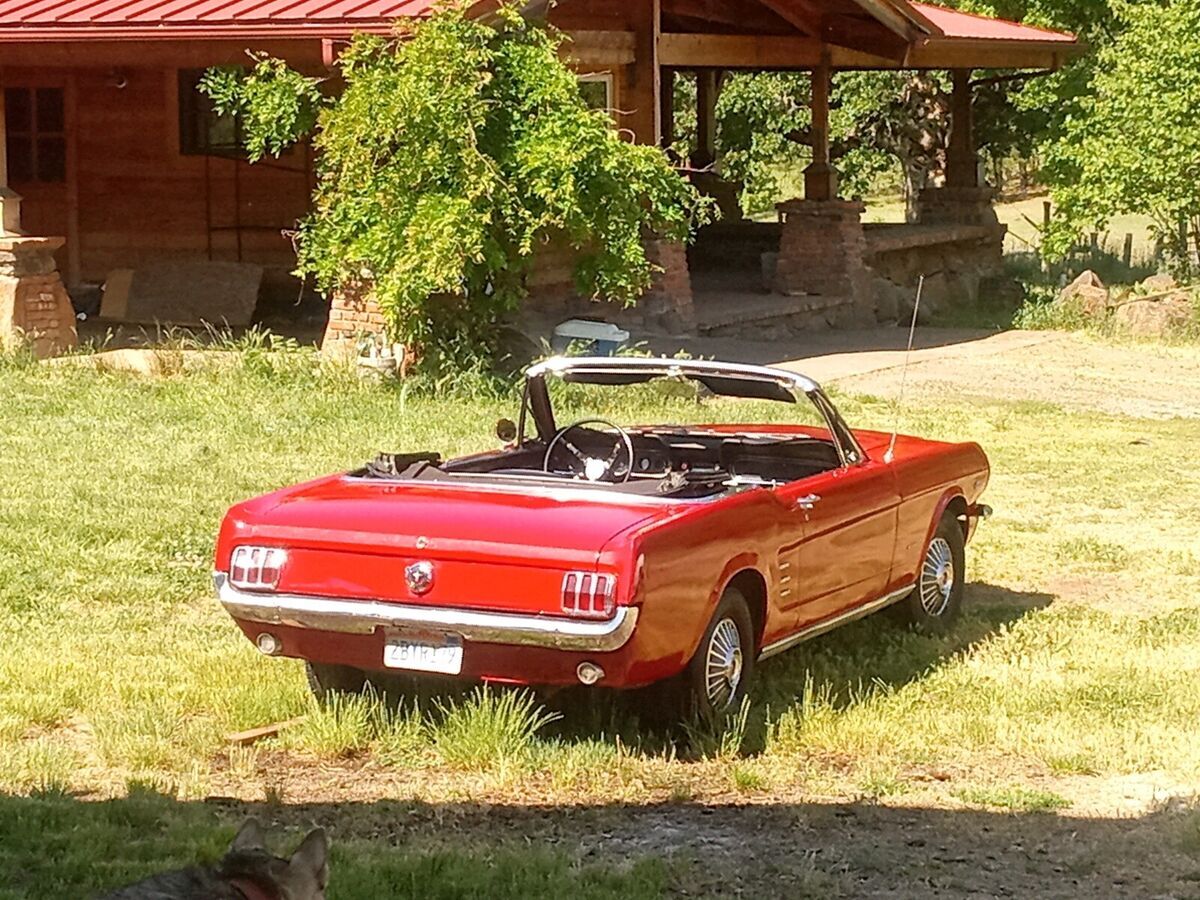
<point>260,875</point>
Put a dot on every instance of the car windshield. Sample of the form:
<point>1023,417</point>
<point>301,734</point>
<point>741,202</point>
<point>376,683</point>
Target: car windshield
<point>672,401</point>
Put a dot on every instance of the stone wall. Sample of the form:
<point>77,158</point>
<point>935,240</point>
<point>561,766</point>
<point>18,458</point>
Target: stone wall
<point>955,260</point>
<point>34,305</point>
<point>666,307</point>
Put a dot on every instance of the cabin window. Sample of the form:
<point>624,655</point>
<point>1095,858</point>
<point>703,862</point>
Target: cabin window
<point>597,90</point>
<point>202,130</point>
<point>36,141</point>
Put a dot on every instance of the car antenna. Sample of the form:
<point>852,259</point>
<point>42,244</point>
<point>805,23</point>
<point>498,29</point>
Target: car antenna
<point>912,331</point>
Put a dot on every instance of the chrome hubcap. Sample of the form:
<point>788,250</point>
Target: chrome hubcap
<point>937,577</point>
<point>723,665</point>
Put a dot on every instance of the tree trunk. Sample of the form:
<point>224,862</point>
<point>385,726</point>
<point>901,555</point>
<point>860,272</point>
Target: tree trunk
<point>916,177</point>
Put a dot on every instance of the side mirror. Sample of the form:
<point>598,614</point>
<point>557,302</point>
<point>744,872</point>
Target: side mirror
<point>506,431</point>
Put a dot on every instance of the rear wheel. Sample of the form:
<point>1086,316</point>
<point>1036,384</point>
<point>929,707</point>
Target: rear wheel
<point>936,601</point>
<point>326,680</point>
<point>718,677</point>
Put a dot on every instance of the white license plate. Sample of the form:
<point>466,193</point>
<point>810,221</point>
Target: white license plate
<point>441,653</point>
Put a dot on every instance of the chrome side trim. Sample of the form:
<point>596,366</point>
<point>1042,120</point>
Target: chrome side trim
<point>364,616</point>
<point>820,628</point>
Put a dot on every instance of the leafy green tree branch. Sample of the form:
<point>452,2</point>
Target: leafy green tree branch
<point>450,156</point>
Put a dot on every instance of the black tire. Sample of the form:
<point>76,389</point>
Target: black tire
<point>326,680</point>
<point>936,602</point>
<point>706,693</point>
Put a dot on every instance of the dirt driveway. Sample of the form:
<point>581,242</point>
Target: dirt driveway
<point>1068,370</point>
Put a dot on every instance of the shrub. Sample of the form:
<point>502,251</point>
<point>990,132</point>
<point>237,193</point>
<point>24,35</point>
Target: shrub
<point>454,150</point>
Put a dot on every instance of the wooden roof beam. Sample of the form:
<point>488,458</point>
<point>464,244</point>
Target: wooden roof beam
<point>730,51</point>
<point>779,52</point>
<point>798,15</point>
<point>746,17</point>
<point>886,14</point>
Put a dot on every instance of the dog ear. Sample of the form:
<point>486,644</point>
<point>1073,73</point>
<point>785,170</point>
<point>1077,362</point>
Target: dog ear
<point>249,837</point>
<point>313,853</point>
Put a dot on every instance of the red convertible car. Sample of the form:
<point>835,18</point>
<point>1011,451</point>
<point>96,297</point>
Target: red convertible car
<point>600,554</point>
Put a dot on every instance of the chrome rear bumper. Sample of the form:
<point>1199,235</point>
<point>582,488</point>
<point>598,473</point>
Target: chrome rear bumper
<point>364,616</point>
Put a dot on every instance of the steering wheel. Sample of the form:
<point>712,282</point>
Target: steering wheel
<point>592,468</point>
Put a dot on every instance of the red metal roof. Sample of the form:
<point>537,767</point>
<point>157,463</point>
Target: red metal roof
<point>49,19</point>
<point>54,20</point>
<point>957,25</point>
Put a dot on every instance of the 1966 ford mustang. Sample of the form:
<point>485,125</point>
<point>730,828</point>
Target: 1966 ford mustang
<point>592,553</point>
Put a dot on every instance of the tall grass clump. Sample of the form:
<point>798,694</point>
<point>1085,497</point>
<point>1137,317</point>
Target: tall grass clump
<point>343,725</point>
<point>721,737</point>
<point>38,766</point>
<point>490,727</point>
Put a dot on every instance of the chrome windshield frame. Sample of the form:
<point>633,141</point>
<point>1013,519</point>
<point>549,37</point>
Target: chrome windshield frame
<point>536,398</point>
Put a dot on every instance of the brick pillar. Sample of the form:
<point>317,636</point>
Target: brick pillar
<point>354,317</point>
<point>34,305</point>
<point>668,304</point>
<point>822,255</point>
<point>951,205</point>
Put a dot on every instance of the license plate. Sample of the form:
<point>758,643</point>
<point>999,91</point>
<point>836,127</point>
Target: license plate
<point>441,653</point>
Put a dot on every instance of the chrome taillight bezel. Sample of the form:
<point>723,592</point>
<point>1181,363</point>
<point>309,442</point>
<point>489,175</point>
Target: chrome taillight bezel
<point>256,568</point>
<point>589,595</point>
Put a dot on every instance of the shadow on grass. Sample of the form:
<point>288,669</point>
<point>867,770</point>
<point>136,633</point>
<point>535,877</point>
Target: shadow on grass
<point>56,846</point>
<point>875,651</point>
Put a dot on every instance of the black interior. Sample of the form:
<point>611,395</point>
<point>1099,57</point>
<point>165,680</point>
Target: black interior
<point>674,462</point>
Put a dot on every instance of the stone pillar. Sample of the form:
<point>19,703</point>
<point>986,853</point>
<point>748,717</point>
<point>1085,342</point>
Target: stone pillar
<point>820,179</point>
<point>354,318</point>
<point>668,304</point>
<point>957,206</point>
<point>822,254</point>
<point>34,305</point>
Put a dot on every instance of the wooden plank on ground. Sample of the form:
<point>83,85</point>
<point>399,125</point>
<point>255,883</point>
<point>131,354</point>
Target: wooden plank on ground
<point>254,735</point>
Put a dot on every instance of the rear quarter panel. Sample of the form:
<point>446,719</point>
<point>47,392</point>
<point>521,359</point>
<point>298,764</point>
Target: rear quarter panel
<point>689,558</point>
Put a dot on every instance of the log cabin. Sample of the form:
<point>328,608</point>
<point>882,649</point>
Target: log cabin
<point>112,161</point>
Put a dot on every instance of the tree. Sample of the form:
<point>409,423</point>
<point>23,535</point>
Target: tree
<point>1135,146</point>
<point>451,154</point>
<point>896,123</point>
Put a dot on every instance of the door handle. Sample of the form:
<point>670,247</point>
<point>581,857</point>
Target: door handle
<point>807,502</point>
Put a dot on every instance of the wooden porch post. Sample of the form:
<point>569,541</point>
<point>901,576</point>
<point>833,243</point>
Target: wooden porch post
<point>706,118</point>
<point>962,160</point>
<point>820,179</point>
<point>666,102</point>
<point>10,200</point>
<point>644,118</point>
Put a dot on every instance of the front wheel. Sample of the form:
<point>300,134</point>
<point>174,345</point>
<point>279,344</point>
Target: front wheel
<point>936,601</point>
<point>718,677</point>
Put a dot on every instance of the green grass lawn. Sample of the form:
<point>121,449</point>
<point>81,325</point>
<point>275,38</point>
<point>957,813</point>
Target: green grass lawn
<point>1078,657</point>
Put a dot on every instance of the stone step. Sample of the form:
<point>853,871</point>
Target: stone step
<point>735,313</point>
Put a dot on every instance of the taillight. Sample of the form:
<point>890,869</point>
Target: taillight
<point>257,568</point>
<point>589,595</point>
